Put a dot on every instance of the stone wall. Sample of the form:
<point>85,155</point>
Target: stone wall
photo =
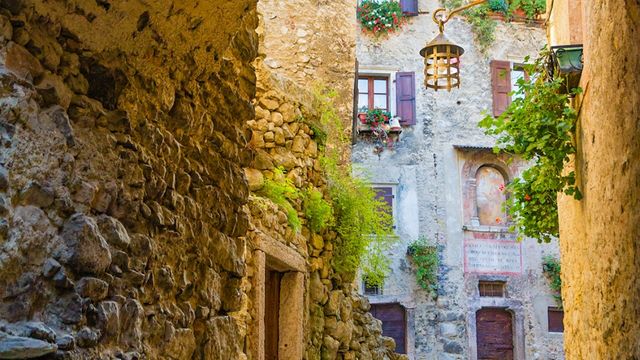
<point>130,149</point>
<point>122,188</point>
<point>599,234</point>
<point>336,323</point>
<point>311,41</point>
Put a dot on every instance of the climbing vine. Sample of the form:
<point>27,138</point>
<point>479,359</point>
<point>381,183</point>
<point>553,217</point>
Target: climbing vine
<point>539,126</point>
<point>362,222</point>
<point>283,192</point>
<point>551,269</point>
<point>425,258</point>
<point>317,210</point>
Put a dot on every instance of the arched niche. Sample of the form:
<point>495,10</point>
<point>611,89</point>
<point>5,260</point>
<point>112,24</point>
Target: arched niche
<point>490,195</point>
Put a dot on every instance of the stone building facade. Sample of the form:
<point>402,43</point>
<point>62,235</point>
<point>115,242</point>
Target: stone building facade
<point>599,234</point>
<point>445,184</point>
<point>136,137</point>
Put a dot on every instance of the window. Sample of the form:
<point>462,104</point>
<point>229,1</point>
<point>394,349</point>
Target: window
<point>556,319</point>
<point>394,323</point>
<point>371,289</point>
<point>409,7</point>
<point>373,92</point>
<point>504,79</point>
<point>376,89</point>
<point>491,288</point>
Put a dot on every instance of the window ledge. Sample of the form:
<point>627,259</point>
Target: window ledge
<point>366,128</point>
<point>487,229</point>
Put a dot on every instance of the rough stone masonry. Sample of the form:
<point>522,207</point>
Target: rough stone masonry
<point>126,230</point>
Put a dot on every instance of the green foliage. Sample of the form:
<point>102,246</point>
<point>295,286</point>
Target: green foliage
<point>317,210</point>
<point>551,269</point>
<point>500,6</point>
<point>531,8</point>
<point>379,17</point>
<point>538,126</point>
<point>377,116</point>
<point>282,192</point>
<point>483,26</point>
<point>363,225</point>
<point>425,257</point>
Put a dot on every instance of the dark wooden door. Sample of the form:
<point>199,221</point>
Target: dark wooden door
<point>394,323</point>
<point>271,313</point>
<point>494,334</point>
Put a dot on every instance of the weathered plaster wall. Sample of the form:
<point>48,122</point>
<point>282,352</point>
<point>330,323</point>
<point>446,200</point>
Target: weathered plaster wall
<point>599,235</point>
<point>426,170</point>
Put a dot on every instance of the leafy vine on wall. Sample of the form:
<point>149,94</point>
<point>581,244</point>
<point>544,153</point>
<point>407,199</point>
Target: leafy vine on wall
<point>539,126</point>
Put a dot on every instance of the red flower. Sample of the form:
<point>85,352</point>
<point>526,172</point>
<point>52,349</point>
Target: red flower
<point>501,187</point>
<point>527,197</point>
<point>498,220</point>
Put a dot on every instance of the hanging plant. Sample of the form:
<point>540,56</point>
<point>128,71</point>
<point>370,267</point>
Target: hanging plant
<point>380,17</point>
<point>378,122</point>
<point>551,269</point>
<point>426,260</point>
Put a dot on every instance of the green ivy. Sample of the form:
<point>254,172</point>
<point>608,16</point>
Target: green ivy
<point>317,210</point>
<point>551,269</point>
<point>538,126</point>
<point>425,257</point>
<point>283,192</point>
<point>362,222</point>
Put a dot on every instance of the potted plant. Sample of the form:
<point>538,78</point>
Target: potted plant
<point>362,114</point>
<point>380,17</point>
<point>377,117</point>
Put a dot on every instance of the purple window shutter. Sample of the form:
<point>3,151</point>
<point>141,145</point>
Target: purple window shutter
<point>406,97</point>
<point>409,7</point>
<point>385,194</point>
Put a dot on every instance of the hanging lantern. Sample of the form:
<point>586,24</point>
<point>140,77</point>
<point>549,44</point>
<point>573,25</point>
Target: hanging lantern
<point>441,56</point>
<point>441,63</point>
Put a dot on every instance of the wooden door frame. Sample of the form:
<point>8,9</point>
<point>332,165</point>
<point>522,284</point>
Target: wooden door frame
<point>271,254</point>
<point>517,315</point>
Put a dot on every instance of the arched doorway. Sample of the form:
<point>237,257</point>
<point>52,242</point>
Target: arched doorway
<point>494,334</point>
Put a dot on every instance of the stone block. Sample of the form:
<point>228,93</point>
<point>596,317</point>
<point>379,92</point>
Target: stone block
<point>17,347</point>
<point>84,248</point>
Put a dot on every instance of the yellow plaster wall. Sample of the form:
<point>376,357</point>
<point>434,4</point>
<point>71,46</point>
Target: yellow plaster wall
<point>600,235</point>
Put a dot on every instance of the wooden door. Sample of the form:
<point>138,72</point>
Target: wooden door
<point>394,323</point>
<point>271,313</point>
<point>494,334</point>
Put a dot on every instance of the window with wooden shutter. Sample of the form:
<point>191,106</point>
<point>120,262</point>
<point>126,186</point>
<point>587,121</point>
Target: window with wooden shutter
<point>500,85</point>
<point>385,194</point>
<point>556,319</point>
<point>406,97</point>
<point>394,323</point>
<point>409,7</point>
